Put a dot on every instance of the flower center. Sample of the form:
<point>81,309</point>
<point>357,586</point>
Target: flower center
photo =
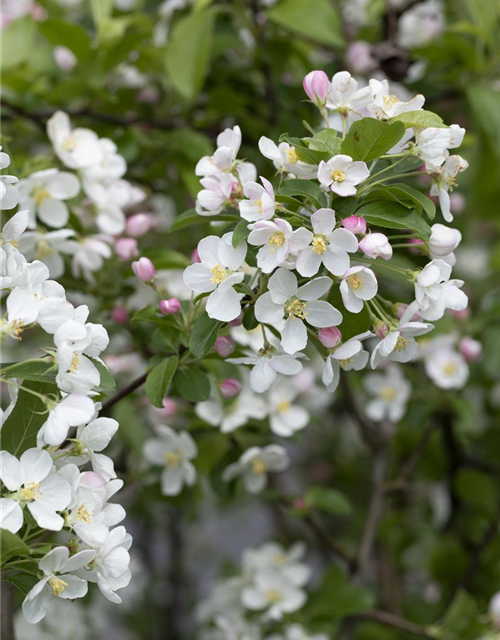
<point>30,492</point>
<point>338,175</point>
<point>345,362</point>
<point>449,368</point>
<point>40,194</point>
<point>75,361</point>
<point>390,101</point>
<point>69,143</point>
<point>258,467</point>
<point>43,249</point>
<point>283,406</point>
<point>259,204</point>
<point>354,281</point>
<point>172,459</point>
<point>83,514</point>
<point>296,309</point>
<point>319,244</point>
<point>388,393</point>
<point>401,344</point>
<point>57,585</point>
<point>291,155</point>
<point>273,596</point>
<point>219,274</point>
<point>276,240</point>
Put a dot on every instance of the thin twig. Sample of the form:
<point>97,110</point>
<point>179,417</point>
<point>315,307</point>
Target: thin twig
<point>393,621</point>
<point>135,384</point>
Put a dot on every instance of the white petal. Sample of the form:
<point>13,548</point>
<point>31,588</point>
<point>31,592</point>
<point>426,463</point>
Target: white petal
<point>294,335</point>
<point>322,314</point>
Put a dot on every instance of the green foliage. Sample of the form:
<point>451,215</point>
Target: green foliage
<point>34,370</point>
<point>314,19</point>
<point>405,195</point>
<point>419,119</point>
<point>368,139</point>
<point>11,545</point>
<point>338,598</point>
<point>392,215</point>
<point>203,335</point>
<point>193,384</point>
<point>329,500</point>
<point>240,233</point>
<point>66,34</point>
<point>159,379</point>
<point>309,190</point>
<point>17,42</point>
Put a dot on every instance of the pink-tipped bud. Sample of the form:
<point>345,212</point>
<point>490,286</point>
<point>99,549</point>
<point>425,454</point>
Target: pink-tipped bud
<point>417,243</point>
<point>317,86</point>
<point>144,269</point>
<point>237,322</point>
<point>470,349</point>
<point>376,245</point>
<point>138,224</point>
<point>330,337</point>
<point>91,480</point>
<point>355,224</point>
<point>172,305</point>
<point>224,346</point>
<point>119,315</point>
<point>64,58</point>
<point>381,329</point>
<point>230,387</point>
<point>126,249</point>
<point>169,407</point>
<point>195,256</point>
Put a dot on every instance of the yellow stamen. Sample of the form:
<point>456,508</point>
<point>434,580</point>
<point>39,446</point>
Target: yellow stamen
<point>401,343</point>
<point>57,585</point>
<point>296,309</point>
<point>280,558</point>
<point>30,492</point>
<point>219,274</point>
<point>69,143</point>
<point>388,393</point>
<point>390,101</point>
<point>40,194</point>
<point>83,514</point>
<point>338,175</point>
<point>354,281</point>
<point>345,362</point>
<point>172,459</point>
<point>273,596</point>
<point>43,249</point>
<point>75,361</point>
<point>291,156</point>
<point>450,368</point>
<point>259,204</point>
<point>276,240</point>
<point>258,467</point>
<point>283,406</point>
<point>319,244</point>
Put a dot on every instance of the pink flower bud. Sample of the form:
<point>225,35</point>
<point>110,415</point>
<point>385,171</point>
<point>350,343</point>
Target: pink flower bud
<point>359,57</point>
<point>144,269</point>
<point>457,202</point>
<point>443,241</point>
<point>126,248</point>
<point>470,349</point>
<point>355,224</point>
<point>119,315</point>
<point>381,329</point>
<point>317,86</point>
<point>169,407</point>
<point>224,346</point>
<point>64,58</point>
<point>330,337</point>
<point>138,224</point>
<point>376,245</point>
<point>91,480</point>
<point>237,322</point>
<point>172,305</point>
<point>417,244</point>
<point>195,256</point>
<point>230,387</point>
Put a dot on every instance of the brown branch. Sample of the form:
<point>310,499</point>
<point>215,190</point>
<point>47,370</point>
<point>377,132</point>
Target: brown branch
<point>135,384</point>
<point>7,631</point>
<point>393,621</point>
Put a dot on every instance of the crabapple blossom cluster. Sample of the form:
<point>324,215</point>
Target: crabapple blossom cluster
<point>55,478</point>
<point>269,587</point>
<point>306,256</point>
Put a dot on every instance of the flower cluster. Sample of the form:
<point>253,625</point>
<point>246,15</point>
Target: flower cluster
<point>56,479</point>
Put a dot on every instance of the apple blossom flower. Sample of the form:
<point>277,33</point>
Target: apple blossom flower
<point>358,284</point>
<point>144,269</point>
<point>9,195</point>
<point>420,24</point>
<point>228,145</point>
<point>108,170</point>
<point>376,245</point>
<point>446,179</point>
<point>64,58</point>
<point>14,228</point>
<point>173,451</point>
<point>359,56</point>
<point>274,594</point>
<point>317,87</point>
<point>326,246</point>
<point>266,366</point>
<point>470,349</point>
<point>277,240</point>
<point>271,557</point>
<point>286,159</point>
<point>330,337</point>
<point>76,148</point>
<point>433,144</point>
<point>33,484</point>
<point>48,248</point>
<point>447,368</point>
<point>126,248</point>
<point>435,292</point>
<point>218,273</point>
<point>392,392</point>
<point>90,440</point>
<point>285,418</point>
<point>385,105</point>
<point>260,204</point>
<point>109,202</point>
<point>341,174</point>
<point>355,224</point>
<point>224,346</point>
<point>138,224</point>
<point>58,581</point>
<point>72,411</point>
<point>443,242</point>
<point>230,387</point>
<point>89,254</point>
<point>346,356</point>
<point>255,464</point>
<point>229,417</point>
<point>215,196</point>
<point>170,306</point>
<point>344,94</point>
<point>298,304</point>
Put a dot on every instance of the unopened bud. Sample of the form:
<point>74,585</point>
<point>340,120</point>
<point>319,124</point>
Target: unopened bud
<point>170,306</point>
<point>144,269</point>
<point>230,388</point>
<point>355,224</point>
<point>224,346</point>
<point>330,337</point>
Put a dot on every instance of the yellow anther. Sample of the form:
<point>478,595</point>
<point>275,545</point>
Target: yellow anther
<point>276,240</point>
<point>338,175</point>
<point>259,204</point>
<point>57,585</point>
<point>283,406</point>
<point>83,514</point>
<point>273,596</point>
<point>40,194</point>
<point>388,393</point>
<point>43,249</point>
<point>75,361</point>
<point>450,368</point>
<point>172,459</point>
<point>69,143</point>
<point>354,281</point>
<point>390,101</point>
<point>345,362</point>
<point>291,156</point>
<point>280,558</point>
<point>296,309</point>
<point>401,343</point>
<point>258,466</point>
<point>219,274</point>
<point>30,492</point>
<point>319,244</point>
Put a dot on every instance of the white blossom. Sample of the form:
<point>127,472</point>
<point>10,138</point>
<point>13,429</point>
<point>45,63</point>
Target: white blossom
<point>255,464</point>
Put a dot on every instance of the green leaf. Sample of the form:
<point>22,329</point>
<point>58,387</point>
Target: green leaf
<point>159,379</point>
<point>337,598</point>
<point>107,381</point>
<point>17,42</point>
<point>148,314</point>
<point>190,217</point>
<point>405,195</point>
<point>329,500</point>
<point>476,489</point>
<point>203,335</point>
<point>240,233</point>
<point>305,189</point>
<point>35,370</point>
<point>392,215</point>
<point>193,384</point>
<point>484,100</point>
<point>306,154</point>
<point>369,139</point>
<point>314,19</point>
<point>462,620</point>
<point>419,119</point>
<point>101,11</point>
<point>326,140</point>
<point>67,34</point>
<point>11,545</point>
<point>188,52</point>
<point>212,447</point>
<point>21,427</point>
